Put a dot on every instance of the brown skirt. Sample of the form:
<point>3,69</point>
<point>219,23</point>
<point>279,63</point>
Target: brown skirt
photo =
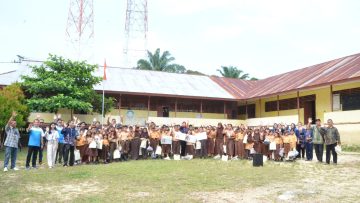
<point>176,147</point>
<point>135,148</point>
<point>210,146</point>
<point>154,143</point>
<point>125,146</point>
<point>92,152</point>
<point>277,151</point>
<point>189,150</point>
<point>240,149</point>
<point>166,148</point>
<point>105,152</point>
<point>230,147</point>
<point>219,150</point>
<point>286,148</point>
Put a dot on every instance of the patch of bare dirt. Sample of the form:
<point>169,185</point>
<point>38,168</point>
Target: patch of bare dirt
<point>316,183</point>
<point>66,192</point>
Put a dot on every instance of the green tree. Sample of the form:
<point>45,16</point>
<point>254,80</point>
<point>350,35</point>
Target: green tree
<point>194,72</point>
<point>12,98</point>
<point>62,83</point>
<point>233,72</point>
<point>160,62</point>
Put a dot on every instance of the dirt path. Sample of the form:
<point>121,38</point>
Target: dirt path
<point>317,183</point>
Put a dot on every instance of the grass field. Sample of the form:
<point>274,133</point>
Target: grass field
<point>191,181</point>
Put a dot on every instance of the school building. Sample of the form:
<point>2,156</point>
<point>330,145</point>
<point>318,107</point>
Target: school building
<point>327,90</point>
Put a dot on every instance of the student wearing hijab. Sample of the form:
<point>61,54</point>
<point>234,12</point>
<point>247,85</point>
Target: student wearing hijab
<point>211,134</point>
<point>300,145</point>
<point>144,136</point>
<point>135,144</point>
<point>219,141</point>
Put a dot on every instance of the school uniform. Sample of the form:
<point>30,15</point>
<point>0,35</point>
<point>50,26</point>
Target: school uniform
<point>211,144</point>
<point>230,144</point>
<point>239,145</point>
<point>135,146</point>
<point>279,143</point>
<point>309,145</point>
<point>219,142</point>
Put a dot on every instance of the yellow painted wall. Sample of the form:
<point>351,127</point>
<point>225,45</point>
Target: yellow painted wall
<point>323,102</point>
<point>346,86</point>
<point>194,121</point>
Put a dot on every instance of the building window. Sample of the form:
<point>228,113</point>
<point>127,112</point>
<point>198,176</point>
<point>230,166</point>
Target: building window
<point>288,104</point>
<point>349,99</point>
<point>270,106</point>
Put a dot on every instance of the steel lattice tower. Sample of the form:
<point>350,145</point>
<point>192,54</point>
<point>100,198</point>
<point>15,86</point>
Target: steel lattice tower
<point>80,25</point>
<point>136,28</point>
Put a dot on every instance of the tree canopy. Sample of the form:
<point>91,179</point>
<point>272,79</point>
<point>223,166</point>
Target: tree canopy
<point>234,72</point>
<point>160,62</point>
<point>62,83</point>
<point>12,98</point>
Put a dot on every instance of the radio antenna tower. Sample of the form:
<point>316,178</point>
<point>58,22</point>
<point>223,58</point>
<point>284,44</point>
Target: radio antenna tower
<point>80,27</point>
<point>136,28</point>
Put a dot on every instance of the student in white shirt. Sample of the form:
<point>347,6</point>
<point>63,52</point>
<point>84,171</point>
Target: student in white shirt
<point>52,137</point>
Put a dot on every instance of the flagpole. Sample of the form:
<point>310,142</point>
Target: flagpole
<point>102,107</point>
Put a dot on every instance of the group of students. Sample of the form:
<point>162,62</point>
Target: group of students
<point>75,142</point>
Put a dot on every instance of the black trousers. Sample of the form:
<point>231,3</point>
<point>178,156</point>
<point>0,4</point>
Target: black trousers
<point>203,151</point>
<point>183,147</point>
<point>319,149</point>
<point>301,151</point>
<point>331,149</point>
<point>59,152</point>
<point>32,152</point>
<point>69,149</point>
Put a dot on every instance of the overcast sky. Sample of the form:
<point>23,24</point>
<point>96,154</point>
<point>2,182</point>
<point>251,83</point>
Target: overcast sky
<point>262,38</point>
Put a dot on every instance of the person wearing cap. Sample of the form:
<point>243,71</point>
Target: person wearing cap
<point>318,140</point>
<point>332,138</point>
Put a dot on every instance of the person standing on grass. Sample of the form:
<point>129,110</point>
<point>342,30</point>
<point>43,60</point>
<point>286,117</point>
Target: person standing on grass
<point>11,143</point>
<point>60,149</point>
<point>36,135</point>
<point>309,137</point>
<point>184,128</point>
<point>300,145</point>
<point>318,140</point>
<point>70,134</point>
<point>332,138</point>
<point>43,127</point>
<point>52,137</point>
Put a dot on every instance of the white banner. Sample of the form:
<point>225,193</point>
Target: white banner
<point>201,136</point>
<point>166,139</point>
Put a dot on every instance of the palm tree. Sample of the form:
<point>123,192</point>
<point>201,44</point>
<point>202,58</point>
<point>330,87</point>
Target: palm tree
<point>233,72</point>
<point>160,62</point>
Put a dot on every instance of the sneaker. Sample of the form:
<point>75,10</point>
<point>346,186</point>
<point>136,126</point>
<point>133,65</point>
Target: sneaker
<point>16,169</point>
<point>28,168</point>
<point>5,169</point>
<point>217,157</point>
<point>167,158</point>
<point>50,167</point>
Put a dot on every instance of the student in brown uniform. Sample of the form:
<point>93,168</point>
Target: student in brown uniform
<point>106,148</point>
<point>211,134</point>
<point>124,143</point>
<point>80,144</point>
<point>279,144</point>
<point>113,141</point>
<point>154,138</point>
<point>135,144</point>
<point>219,141</point>
<point>230,141</point>
<point>286,141</point>
<point>249,143</point>
<point>257,141</point>
<point>175,142</point>
<point>144,137</point>
<point>271,138</point>
<point>190,150</point>
<point>239,143</point>
<point>166,148</point>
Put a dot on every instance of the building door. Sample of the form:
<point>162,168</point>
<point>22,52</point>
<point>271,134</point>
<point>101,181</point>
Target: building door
<point>165,111</point>
<point>251,108</point>
<point>309,111</point>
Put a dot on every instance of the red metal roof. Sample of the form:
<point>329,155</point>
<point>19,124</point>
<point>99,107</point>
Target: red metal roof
<point>331,72</point>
